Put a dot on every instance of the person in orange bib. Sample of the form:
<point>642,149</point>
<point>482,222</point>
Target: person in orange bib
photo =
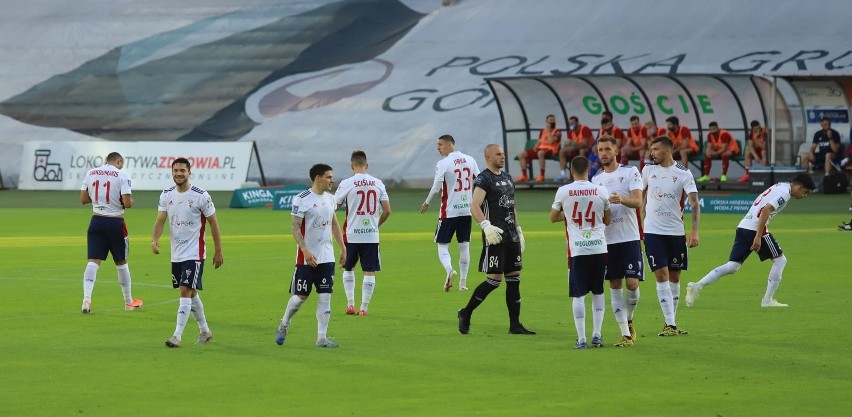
<point>549,140</point>
<point>757,139</point>
<point>684,143</point>
<point>720,144</point>
<point>578,141</point>
<point>636,145</point>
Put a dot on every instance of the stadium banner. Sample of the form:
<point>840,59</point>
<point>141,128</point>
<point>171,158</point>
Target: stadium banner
<point>731,204</point>
<point>216,166</point>
<point>253,197</point>
<point>283,198</point>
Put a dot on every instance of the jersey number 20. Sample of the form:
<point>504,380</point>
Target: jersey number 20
<point>367,202</point>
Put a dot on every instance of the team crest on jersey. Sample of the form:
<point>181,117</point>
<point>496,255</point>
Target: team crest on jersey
<point>365,222</point>
<point>781,201</point>
<point>587,234</point>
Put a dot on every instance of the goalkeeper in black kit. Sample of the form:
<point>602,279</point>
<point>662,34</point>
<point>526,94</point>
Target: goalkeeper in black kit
<point>493,207</point>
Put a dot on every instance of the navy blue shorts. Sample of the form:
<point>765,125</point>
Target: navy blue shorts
<point>665,251</point>
<point>306,277</point>
<point>187,274</point>
<point>502,258</point>
<point>460,226</point>
<point>819,159</point>
<point>368,253</point>
<point>107,235</point>
<point>769,248</point>
<point>587,274</point>
<point>624,260</point>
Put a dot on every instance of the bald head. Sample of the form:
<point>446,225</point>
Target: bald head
<point>494,157</point>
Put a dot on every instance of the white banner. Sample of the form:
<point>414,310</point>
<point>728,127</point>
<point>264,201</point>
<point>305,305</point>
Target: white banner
<point>63,165</point>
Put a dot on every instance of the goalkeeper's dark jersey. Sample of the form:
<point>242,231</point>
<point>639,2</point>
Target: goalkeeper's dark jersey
<point>499,204</point>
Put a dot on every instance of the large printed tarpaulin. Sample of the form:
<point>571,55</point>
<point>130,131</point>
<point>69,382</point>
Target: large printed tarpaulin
<point>309,81</point>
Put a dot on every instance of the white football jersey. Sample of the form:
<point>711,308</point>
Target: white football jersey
<point>316,212</point>
<point>776,196</point>
<point>363,195</point>
<point>187,214</point>
<point>583,204</point>
<point>105,186</point>
<point>667,190</point>
<point>625,220</point>
<point>456,172</point>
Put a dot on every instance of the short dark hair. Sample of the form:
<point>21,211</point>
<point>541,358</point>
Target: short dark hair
<point>580,164</point>
<point>358,158</point>
<point>549,116</point>
<point>318,170</point>
<point>674,120</point>
<point>447,138</point>
<point>605,120</point>
<point>634,117</point>
<point>825,119</point>
<point>755,123</point>
<point>804,180</point>
<point>607,113</point>
<point>610,139</point>
<point>574,118</point>
<point>113,157</point>
<point>182,160</point>
<point>713,124</point>
<point>664,140</point>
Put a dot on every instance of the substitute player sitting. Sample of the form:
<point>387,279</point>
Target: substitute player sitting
<point>549,140</point>
<point>589,208</point>
<point>753,236</point>
<point>720,145</point>
<point>755,146</point>
<point>367,208</point>
<point>684,145</point>
<point>636,143</point>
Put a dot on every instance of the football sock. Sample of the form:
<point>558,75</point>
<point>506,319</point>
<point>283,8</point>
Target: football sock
<point>89,277</point>
<point>579,306</point>
<point>183,312</point>
<point>445,257</point>
<point>367,290</point>
<point>562,172</point>
<point>707,165</point>
<point>775,273</point>
<point>482,290</point>
<point>293,305</point>
<point>632,301</point>
<point>513,300</point>
<point>664,294</point>
<point>746,171</point>
<point>726,161</point>
<point>541,171</point>
<point>198,312</point>
<point>675,286</point>
<point>349,287</point>
<point>124,282</point>
<point>464,260</point>
<point>323,314</point>
<point>598,308</point>
<point>619,309</point>
<point>718,272</point>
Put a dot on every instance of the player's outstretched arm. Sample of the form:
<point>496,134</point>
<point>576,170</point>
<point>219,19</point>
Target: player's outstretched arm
<point>218,258</point>
<point>386,212</point>
<point>436,188</point>
<point>84,197</point>
<point>159,224</point>
<point>696,216</point>
<point>338,237</point>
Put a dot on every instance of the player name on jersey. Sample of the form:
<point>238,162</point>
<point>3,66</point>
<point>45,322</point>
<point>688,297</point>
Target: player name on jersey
<point>582,193</point>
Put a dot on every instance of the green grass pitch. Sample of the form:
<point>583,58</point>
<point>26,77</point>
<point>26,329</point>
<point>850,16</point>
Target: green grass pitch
<point>407,358</point>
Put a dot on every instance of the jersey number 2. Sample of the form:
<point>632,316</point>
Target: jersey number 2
<point>367,202</point>
<point>96,185</point>
<point>462,174</point>
<point>578,217</point>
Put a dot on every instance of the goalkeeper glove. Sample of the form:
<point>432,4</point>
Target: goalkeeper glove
<point>492,233</point>
<point>521,239</point>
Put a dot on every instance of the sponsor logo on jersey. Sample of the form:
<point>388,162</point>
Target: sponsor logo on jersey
<point>506,202</point>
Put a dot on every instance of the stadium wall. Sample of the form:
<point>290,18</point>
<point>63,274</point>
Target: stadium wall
<point>309,81</point>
